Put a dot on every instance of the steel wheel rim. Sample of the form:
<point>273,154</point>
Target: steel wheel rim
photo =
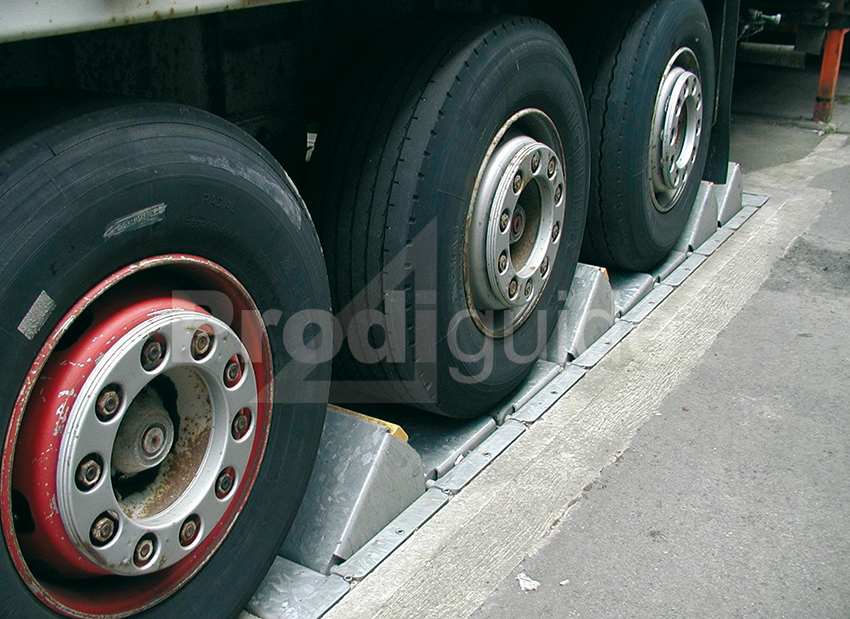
<point>676,130</point>
<point>515,223</point>
<point>186,524</point>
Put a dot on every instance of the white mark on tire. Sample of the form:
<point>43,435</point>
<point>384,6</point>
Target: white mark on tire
<point>140,219</point>
<point>37,315</point>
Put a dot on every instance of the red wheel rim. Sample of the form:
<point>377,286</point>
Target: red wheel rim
<point>89,588</point>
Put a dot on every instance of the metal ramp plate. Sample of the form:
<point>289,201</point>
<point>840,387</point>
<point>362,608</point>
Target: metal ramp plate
<point>363,478</point>
<point>368,492</point>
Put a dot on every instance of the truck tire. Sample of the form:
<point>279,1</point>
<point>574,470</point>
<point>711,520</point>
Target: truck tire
<point>648,75</point>
<point>158,436</point>
<point>448,278</point>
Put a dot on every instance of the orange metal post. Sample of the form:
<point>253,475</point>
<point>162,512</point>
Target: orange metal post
<point>829,69</point>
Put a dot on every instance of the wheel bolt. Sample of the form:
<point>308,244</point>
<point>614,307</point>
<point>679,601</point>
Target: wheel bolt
<point>108,403</point>
<point>103,529</point>
<point>550,170</point>
<point>503,221</point>
<point>241,424</point>
<point>153,439</point>
<point>556,230</point>
<point>224,483</point>
<point>232,372</point>
<point>189,530</point>
<point>503,262</point>
<point>517,182</point>
<point>535,162</point>
<point>201,343</point>
<point>88,473</point>
<point>145,550</point>
<point>558,193</point>
<point>152,354</point>
<point>513,287</point>
<point>528,288</point>
<point>544,267</point>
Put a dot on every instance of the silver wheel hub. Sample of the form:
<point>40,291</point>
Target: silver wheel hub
<point>163,452</point>
<point>676,129</point>
<point>516,223</point>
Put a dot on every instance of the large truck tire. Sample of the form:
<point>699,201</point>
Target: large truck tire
<point>647,70</point>
<point>452,184</point>
<point>158,435</point>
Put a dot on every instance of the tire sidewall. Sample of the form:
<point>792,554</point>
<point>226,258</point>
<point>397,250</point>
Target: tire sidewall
<point>224,203</point>
<point>681,23</point>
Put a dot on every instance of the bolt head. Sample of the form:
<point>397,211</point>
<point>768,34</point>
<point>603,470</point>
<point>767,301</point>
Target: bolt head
<point>517,182</point>
<point>556,231</point>
<point>224,483</point>
<point>529,287</point>
<point>152,354</point>
<point>559,191</point>
<point>103,529</point>
<point>108,403</point>
<point>550,169</point>
<point>503,262</point>
<point>201,343</point>
<point>145,550</point>
<point>189,530</point>
<point>231,372</point>
<point>241,424</point>
<point>503,221</point>
<point>535,162</point>
<point>88,474</point>
<point>513,287</point>
<point>544,267</point>
<point>153,440</point>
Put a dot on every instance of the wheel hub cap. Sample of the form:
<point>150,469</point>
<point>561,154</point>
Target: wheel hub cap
<point>676,129</point>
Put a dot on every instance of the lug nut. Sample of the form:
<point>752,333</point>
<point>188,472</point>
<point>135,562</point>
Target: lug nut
<point>201,343</point>
<point>503,221</point>
<point>232,372</point>
<point>145,550</point>
<point>550,170</point>
<point>558,193</point>
<point>153,439</point>
<point>556,230</point>
<point>513,287</point>
<point>103,529</point>
<point>544,267</point>
<point>189,530</point>
<point>241,424</point>
<point>503,262</point>
<point>535,162</point>
<point>108,403</point>
<point>528,288</point>
<point>517,182</point>
<point>152,354</point>
<point>224,483</point>
<point>88,473</point>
